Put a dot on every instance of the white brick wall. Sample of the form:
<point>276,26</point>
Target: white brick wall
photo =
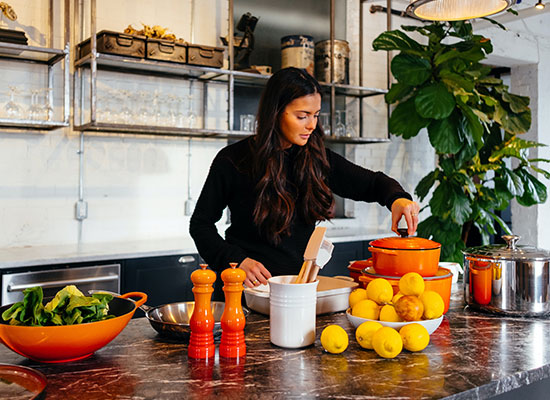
<point>135,185</point>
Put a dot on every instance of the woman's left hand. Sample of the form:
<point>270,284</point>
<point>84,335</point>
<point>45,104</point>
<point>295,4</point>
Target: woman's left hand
<point>407,208</point>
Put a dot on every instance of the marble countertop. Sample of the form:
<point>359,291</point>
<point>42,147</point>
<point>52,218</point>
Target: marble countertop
<point>470,356</point>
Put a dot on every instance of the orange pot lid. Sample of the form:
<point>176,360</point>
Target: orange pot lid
<point>405,243</point>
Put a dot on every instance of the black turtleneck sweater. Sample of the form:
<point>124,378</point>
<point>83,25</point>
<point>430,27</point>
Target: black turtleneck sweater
<point>227,185</point>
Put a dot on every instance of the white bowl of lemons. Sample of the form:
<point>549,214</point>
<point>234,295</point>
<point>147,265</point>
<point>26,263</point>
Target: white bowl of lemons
<point>430,324</point>
<point>412,304</point>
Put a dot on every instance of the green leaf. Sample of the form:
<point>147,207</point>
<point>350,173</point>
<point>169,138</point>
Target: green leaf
<point>426,184</point>
<point>534,190</point>
<point>456,81</point>
<point>492,141</point>
<point>541,171</point>
<point>410,69</point>
<point>501,222</point>
<point>439,202</point>
<point>444,232</point>
<point>397,92</point>
<point>446,54</point>
<point>463,29</point>
<point>513,148</point>
<point>434,101</point>
<point>460,207</point>
<point>405,121</point>
<point>397,40</point>
<point>489,80</point>
<point>467,152</point>
<point>495,22</point>
<point>489,101</point>
<point>463,179</point>
<point>511,122</point>
<point>472,125</point>
<point>444,134</point>
<point>518,104</point>
<point>482,228</point>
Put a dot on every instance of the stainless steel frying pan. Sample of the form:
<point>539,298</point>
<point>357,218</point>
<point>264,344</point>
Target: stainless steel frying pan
<point>172,320</point>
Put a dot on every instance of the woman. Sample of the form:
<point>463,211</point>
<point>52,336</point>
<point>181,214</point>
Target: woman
<point>280,182</point>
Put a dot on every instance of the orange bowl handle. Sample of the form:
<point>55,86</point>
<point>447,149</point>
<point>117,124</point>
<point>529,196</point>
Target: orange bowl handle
<point>142,297</point>
<point>383,251</point>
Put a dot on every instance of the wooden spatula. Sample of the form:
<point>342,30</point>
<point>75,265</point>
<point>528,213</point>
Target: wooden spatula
<point>310,255</point>
<point>324,255</point>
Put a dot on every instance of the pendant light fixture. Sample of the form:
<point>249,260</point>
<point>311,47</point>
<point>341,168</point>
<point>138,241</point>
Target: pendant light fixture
<point>456,10</point>
<point>539,5</point>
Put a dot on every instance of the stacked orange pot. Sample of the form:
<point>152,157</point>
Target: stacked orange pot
<point>393,257</point>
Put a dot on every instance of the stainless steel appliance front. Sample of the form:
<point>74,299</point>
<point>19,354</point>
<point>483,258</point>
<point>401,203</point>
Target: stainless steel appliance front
<point>106,277</point>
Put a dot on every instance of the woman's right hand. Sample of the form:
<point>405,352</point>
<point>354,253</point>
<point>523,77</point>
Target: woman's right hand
<point>256,273</point>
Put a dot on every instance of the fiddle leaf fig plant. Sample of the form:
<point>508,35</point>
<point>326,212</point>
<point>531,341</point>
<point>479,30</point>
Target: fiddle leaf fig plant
<point>474,124</point>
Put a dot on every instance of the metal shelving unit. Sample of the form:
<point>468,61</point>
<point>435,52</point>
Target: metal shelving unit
<point>48,57</point>
<point>232,77</point>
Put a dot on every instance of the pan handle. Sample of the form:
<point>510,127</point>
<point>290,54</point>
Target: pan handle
<point>142,297</point>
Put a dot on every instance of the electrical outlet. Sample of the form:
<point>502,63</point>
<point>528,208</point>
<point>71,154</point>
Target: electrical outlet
<point>81,210</point>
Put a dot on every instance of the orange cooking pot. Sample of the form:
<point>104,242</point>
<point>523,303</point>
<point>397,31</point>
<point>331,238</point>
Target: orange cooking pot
<point>56,344</point>
<point>395,256</point>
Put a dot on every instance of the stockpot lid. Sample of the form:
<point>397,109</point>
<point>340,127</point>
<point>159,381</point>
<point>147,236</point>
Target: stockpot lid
<point>405,243</point>
<point>508,251</point>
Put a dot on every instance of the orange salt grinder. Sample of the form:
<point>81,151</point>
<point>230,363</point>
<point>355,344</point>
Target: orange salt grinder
<point>232,343</point>
<point>201,342</point>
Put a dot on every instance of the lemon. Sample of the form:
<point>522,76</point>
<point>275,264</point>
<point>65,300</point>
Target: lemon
<point>415,337</point>
<point>388,313</point>
<point>356,296</point>
<point>366,309</point>
<point>387,342</point>
<point>364,333</point>
<point>411,284</point>
<point>334,339</point>
<point>397,296</point>
<point>379,290</point>
<point>433,304</point>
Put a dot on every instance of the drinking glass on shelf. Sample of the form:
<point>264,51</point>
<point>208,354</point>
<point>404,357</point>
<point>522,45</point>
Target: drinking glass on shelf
<point>126,113</point>
<point>172,103</point>
<point>350,125</point>
<point>46,104</point>
<point>324,120</point>
<point>35,110</point>
<point>145,115</point>
<point>191,116</point>
<point>247,122</point>
<point>12,109</point>
<point>180,116</point>
<point>340,129</point>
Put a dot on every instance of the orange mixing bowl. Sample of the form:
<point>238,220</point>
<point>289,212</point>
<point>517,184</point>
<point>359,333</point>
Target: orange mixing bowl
<point>441,282</point>
<point>56,344</point>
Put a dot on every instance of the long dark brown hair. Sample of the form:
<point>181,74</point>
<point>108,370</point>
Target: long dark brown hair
<point>278,199</point>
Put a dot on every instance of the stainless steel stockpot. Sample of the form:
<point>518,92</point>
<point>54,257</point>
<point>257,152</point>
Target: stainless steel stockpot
<point>508,279</point>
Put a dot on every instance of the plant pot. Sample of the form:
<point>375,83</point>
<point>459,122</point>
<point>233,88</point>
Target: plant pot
<point>398,255</point>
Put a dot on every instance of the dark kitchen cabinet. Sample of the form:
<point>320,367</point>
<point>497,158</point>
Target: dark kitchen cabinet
<point>342,254</point>
<point>165,279</point>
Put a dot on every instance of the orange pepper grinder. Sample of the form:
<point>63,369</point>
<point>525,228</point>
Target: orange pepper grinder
<point>201,342</point>
<point>232,343</point>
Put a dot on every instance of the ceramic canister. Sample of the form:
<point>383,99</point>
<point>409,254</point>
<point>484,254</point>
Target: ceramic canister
<point>292,311</point>
<point>298,51</point>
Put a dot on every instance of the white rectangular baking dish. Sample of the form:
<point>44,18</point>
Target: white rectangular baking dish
<point>332,295</point>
